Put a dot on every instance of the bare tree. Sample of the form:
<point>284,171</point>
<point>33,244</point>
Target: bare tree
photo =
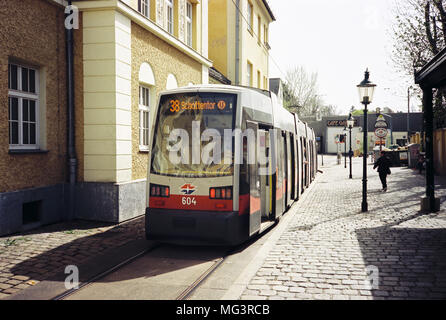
<point>419,33</point>
<point>301,94</point>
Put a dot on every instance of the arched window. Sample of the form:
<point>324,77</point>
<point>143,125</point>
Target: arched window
<point>172,82</point>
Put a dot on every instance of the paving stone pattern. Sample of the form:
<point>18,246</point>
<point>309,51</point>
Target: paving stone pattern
<point>331,250</point>
<point>30,257</point>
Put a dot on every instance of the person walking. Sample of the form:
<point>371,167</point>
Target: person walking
<point>383,164</point>
<point>420,164</point>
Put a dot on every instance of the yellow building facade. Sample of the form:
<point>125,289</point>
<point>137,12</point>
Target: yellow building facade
<point>132,50</point>
<point>239,40</point>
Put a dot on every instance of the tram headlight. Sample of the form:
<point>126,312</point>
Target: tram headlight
<point>159,191</point>
<point>224,193</point>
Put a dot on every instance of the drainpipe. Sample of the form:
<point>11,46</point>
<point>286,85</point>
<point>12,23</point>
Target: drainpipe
<point>72,161</point>
<point>237,42</point>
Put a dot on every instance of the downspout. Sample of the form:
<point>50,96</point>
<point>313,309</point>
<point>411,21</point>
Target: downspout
<point>72,161</point>
<point>237,42</point>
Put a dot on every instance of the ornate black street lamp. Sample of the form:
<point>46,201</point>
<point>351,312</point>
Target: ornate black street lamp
<point>350,124</point>
<point>366,89</point>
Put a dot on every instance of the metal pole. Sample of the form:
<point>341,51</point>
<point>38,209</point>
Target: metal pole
<point>391,130</point>
<point>430,183</point>
<point>350,153</point>
<point>72,159</point>
<point>364,206</point>
<point>408,115</point>
<point>237,44</point>
<point>345,151</point>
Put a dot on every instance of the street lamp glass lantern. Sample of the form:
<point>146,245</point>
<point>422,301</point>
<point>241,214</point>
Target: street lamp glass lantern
<point>350,121</point>
<point>366,89</point>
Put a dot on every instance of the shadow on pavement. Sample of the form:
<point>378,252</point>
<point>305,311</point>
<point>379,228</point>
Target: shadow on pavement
<point>411,261</point>
<point>76,251</point>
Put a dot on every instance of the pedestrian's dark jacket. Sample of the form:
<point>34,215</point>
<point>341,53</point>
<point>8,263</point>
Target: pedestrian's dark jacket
<point>383,164</point>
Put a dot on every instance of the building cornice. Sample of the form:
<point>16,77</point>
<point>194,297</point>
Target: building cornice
<point>63,3</point>
<point>145,23</point>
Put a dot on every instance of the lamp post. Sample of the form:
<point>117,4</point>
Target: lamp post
<point>344,132</point>
<point>366,89</point>
<point>408,115</point>
<point>350,124</point>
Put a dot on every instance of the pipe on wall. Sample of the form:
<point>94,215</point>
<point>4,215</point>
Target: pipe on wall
<point>71,151</point>
<point>237,43</point>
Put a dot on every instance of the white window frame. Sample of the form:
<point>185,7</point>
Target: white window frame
<point>259,29</point>
<point>144,7</point>
<point>170,11</point>
<point>144,109</point>
<point>249,71</point>
<point>21,95</point>
<point>189,23</point>
<point>250,17</point>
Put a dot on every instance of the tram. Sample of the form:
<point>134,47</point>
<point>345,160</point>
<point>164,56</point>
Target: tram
<point>226,163</point>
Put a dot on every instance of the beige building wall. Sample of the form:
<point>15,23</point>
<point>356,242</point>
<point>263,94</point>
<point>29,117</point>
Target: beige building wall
<point>163,60</point>
<point>27,21</point>
<point>252,47</point>
<point>117,40</point>
<point>107,96</point>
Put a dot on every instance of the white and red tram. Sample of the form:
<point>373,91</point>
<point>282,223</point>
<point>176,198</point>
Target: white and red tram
<point>226,162</point>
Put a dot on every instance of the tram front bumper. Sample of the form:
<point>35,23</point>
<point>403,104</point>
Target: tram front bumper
<point>200,227</point>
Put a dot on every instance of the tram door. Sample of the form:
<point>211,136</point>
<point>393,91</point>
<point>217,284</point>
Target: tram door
<point>302,176</point>
<point>254,179</point>
<point>289,176</point>
<point>263,155</point>
<point>293,167</point>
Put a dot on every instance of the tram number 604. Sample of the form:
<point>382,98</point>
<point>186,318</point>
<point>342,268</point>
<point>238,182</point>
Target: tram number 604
<point>188,201</point>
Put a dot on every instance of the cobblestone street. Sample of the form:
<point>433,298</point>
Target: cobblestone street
<point>331,250</point>
<point>30,257</point>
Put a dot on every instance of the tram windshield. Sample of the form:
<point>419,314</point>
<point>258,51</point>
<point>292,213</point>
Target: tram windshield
<point>189,135</point>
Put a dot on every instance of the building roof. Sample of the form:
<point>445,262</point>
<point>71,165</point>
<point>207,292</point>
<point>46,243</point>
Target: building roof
<point>396,121</point>
<point>433,74</point>
<point>265,3</point>
<point>217,75</point>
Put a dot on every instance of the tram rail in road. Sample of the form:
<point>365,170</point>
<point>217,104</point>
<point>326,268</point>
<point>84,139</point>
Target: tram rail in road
<point>162,271</point>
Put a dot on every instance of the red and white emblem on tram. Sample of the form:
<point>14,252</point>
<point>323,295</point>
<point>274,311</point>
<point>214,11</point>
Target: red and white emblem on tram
<point>187,189</point>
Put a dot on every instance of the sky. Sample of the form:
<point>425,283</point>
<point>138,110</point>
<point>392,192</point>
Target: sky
<point>339,39</point>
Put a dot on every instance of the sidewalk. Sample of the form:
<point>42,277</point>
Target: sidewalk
<point>331,250</point>
<point>30,257</point>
